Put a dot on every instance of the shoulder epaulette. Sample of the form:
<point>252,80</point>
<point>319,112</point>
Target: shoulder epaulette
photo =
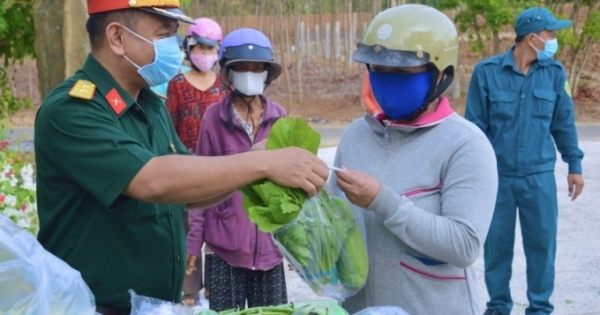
<point>83,89</point>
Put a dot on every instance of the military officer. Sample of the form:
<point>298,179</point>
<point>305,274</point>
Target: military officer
<point>112,176</point>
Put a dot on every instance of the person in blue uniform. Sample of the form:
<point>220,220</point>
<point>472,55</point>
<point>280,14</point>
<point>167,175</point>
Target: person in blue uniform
<point>521,100</point>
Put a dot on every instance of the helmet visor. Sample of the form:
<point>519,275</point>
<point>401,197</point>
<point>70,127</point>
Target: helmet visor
<point>204,40</point>
<point>380,56</point>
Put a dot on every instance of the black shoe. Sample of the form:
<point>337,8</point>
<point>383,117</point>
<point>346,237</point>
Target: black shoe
<point>492,312</point>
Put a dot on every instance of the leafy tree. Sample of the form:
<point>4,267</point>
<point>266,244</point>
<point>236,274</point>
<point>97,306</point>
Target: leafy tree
<point>17,37</point>
<point>16,30</point>
<point>485,19</point>
<point>580,39</point>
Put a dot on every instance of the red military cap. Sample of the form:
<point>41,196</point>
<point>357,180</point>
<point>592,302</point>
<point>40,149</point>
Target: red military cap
<point>168,8</point>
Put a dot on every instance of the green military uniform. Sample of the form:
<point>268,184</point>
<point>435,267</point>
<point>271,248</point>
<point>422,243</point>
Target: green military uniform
<point>91,139</point>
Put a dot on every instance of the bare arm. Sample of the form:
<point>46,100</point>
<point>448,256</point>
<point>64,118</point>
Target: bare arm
<point>191,179</point>
<point>222,197</point>
<point>209,202</point>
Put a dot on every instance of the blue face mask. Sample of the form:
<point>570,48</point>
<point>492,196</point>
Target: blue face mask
<point>400,94</point>
<point>550,48</point>
<point>166,64</point>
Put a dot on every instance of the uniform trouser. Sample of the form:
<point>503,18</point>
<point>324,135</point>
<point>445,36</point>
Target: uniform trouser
<point>192,284</point>
<point>535,198</point>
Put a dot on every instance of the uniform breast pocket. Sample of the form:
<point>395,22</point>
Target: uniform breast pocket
<point>502,105</point>
<point>543,105</point>
<point>133,210</point>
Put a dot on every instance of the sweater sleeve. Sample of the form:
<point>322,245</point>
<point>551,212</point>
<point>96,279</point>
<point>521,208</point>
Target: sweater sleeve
<point>468,196</point>
<point>195,237</point>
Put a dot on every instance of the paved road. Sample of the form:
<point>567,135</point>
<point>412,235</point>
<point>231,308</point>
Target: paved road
<point>329,135</point>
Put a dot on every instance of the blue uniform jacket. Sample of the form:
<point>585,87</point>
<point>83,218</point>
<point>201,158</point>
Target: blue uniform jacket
<point>524,116</point>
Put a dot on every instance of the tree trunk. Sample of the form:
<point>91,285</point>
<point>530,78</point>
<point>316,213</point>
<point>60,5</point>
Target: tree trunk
<point>455,87</point>
<point>348,36</point>
<point>319,37</point>
<point>333,60</point>
<point>496,41</point>
<point>376,7</point>
<point>574,13</point>
<point>588,48</point>
<point>285,48</point>
<point>300,47</point>
<point>484,52</point>
<point>574,54</point>
<point>61,43</point>
<point>228,16</point>
<point>262,14</point>
<point>219,16</point>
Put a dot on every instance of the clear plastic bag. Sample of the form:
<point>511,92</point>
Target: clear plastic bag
<point>144,305</point>
<point>326,245</point>
<point>383,310</point>
<point>33,281</point>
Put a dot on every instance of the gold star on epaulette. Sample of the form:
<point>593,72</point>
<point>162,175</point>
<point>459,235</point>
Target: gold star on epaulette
<point>83,89</point>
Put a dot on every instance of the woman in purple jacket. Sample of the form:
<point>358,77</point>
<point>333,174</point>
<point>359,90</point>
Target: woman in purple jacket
<point>245,265</point>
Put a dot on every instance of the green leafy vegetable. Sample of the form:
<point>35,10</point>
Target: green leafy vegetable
<point>315,239</point>
<point>319,235</point>
<point>269,205</point>
<point>353,265</point>
<point>301,308</point>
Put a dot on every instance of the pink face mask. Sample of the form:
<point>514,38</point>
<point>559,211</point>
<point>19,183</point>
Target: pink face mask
<point>203,62</point>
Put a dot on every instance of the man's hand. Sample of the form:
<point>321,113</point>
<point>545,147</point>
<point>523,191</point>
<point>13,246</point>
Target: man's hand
<point>360,188</point>
<point>297,168</point>
<point>191,264</point>
<point>575,182</point>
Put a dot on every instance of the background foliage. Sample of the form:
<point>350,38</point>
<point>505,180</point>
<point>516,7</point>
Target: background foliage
<point>480,20</point>
<point>16,43</point>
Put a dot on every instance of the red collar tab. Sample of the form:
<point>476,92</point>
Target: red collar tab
<point>115,101</point>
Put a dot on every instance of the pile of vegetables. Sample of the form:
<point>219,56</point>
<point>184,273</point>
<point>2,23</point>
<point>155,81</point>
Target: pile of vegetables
<point>309,308</point>
<point>320,235</point>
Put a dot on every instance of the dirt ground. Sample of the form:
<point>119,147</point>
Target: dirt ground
<point>333,97</point>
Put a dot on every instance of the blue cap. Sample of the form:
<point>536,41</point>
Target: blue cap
<point>534,20</point>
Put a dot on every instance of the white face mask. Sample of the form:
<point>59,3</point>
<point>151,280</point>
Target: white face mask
<point>248,83</point>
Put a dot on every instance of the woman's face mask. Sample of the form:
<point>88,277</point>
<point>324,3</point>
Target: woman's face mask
<point>203,62</point>
<point>550,48</point>
<point>400,94</point>
<point>248,83</point>
<point>167,60</point>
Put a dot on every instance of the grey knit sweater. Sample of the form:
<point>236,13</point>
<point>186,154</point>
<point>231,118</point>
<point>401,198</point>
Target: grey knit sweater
<point>427,225</point>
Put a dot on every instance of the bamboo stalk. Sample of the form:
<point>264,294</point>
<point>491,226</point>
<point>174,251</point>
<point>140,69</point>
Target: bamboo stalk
<point>283,38</point>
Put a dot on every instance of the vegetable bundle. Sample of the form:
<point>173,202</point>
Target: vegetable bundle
<point>301,308</point>
<point>320,236</point>
<point>326,246</point>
